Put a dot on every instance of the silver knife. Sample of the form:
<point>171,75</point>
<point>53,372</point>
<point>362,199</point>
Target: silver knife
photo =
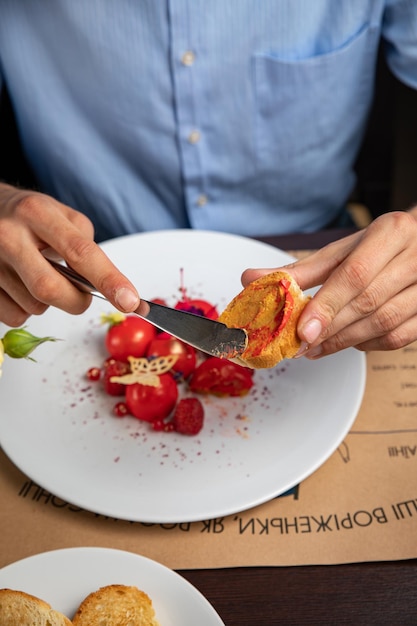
<point>204,334</point>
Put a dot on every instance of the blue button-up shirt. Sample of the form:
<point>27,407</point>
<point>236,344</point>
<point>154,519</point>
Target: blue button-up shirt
<point>242,116</point>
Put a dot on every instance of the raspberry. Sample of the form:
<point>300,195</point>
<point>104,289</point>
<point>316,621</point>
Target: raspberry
<point>188,416</point>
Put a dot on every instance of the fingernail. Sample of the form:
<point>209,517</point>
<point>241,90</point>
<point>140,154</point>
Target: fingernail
<point>311,330</point>
<point>301,350</point>
<point>312,353</point>
<point>126,299</point>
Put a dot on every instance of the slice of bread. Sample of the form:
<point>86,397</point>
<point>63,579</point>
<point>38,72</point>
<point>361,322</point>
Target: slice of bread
<point>268,309</point>
<point>18,608</point>
<point>116,605</point>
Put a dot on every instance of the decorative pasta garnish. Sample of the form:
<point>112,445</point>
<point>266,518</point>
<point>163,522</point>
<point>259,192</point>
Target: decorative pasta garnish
<point>146,371</point>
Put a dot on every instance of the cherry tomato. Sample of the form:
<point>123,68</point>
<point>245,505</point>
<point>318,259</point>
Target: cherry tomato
<point>165,344</point>
<point>130,337</point>
<point>198,307</point>
<point>150,403</point>
<point>221,377</point>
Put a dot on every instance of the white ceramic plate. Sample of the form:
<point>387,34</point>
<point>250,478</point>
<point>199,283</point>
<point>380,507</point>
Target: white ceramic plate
<point>59,429</point>
<point>63,578</point>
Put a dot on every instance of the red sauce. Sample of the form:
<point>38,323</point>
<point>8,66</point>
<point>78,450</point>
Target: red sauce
<point>263,335</point>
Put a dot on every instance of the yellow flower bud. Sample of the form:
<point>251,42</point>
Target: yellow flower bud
<point>112,319</point>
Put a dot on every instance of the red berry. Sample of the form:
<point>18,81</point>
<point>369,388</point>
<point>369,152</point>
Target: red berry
<point>169,427</point>
<point>161,425</point>
<point>188,416</point>
<point>94,374</point>
<point>120,409</point>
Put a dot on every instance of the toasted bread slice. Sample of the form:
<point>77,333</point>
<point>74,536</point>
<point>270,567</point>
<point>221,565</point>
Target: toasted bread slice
<point>268,309</point>
<point>18,608</point>
<point>116,605</point>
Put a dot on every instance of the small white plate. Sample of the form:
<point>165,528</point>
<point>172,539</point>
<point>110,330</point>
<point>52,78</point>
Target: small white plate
<point>58,428</point>
<point>63,578</point>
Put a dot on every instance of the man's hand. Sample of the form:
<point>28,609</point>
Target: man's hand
<point>368,297</point>
<point>31,224</point>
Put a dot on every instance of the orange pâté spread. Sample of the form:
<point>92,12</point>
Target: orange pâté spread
<point>268,309</point>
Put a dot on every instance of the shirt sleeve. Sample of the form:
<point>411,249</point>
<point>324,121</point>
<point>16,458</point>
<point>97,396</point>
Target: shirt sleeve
<point>399,31</point>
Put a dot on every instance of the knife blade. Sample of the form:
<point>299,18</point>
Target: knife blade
<point>204,334</point>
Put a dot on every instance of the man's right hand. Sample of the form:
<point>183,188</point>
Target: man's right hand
<point>32,224</point>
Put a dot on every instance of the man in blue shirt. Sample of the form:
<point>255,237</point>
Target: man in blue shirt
<point>244,117</point>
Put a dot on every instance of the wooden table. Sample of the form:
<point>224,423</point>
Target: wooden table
<point>358,594</point>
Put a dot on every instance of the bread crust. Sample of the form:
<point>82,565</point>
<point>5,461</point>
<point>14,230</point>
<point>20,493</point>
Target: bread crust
<point>18,608</point>
<point>116,605</point>
<point>268,309</point>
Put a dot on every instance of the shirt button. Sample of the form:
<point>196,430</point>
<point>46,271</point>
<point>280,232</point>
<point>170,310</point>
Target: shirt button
<point>194,136</point>
<point>202,200</point>
<point>188,58</point>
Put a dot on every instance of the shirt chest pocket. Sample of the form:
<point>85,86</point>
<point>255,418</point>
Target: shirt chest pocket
<point>305,105</point>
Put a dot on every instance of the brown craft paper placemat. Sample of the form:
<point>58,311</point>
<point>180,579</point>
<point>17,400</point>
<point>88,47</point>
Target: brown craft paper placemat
<point>361,505</point>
